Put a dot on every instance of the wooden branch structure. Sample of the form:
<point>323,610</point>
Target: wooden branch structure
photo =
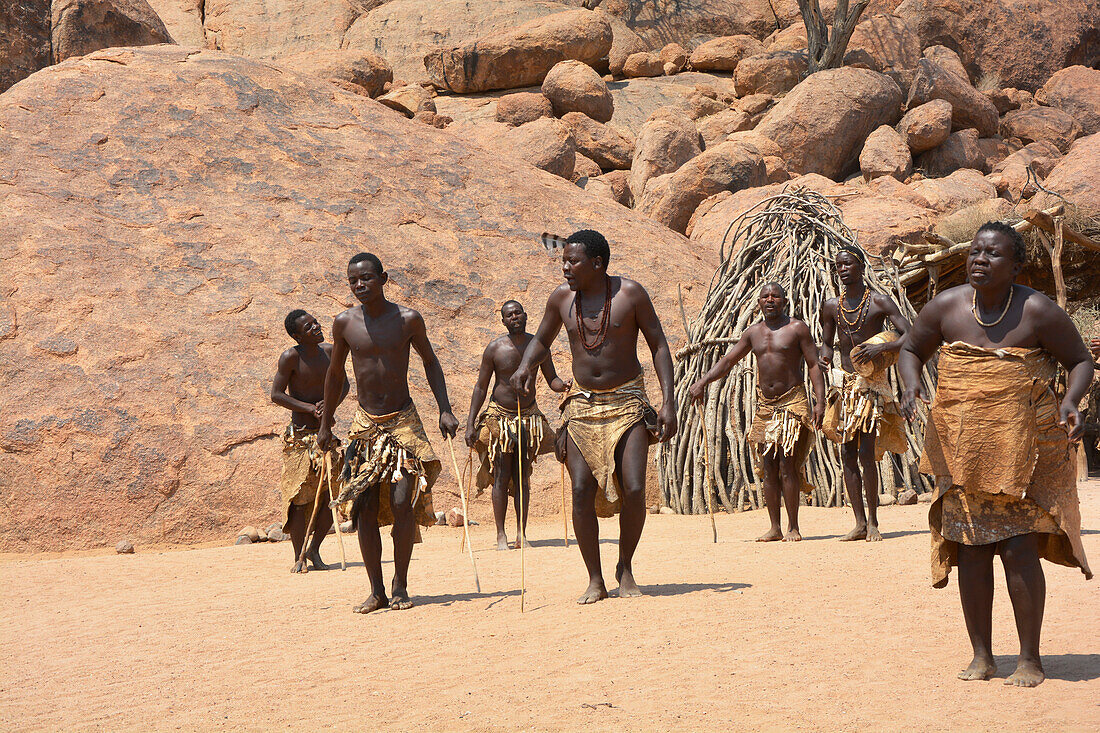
<point>791,238</point>
<point>826,50</point>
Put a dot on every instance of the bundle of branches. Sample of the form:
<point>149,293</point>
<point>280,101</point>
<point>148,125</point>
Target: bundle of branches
<point>792,238</point>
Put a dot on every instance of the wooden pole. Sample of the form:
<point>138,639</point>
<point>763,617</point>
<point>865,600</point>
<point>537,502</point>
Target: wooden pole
<point>300,566</point>
<point>335,515</point>
<point>469,478</point>
<point>707,477</point>
<point>465,512</point>
<point>522,538</point>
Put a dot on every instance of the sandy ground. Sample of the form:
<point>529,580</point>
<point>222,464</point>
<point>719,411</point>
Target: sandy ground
<point>738,635</point>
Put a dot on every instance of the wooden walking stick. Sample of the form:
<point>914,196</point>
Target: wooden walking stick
<point>465,512</point>
<point>706,468</point>
<point>300,566</point>
<point>519,489</point>
<point>564,516</point>
<point>335,515</point>
<point>467,473</point>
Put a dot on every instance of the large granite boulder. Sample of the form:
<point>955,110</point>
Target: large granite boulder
<point>1077,91</point>
<point>969,107</point>
<point>361,72</point>
<point>24,39</point>
<point>79,27</point>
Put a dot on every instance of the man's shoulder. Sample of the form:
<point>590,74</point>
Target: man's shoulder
<point>829,304</point>
<point>289,357</point>
<point>631,287</point>
<point>798,325</point>
<point>347,315</point>
<point>1037,303</point>
<point>883,301</point>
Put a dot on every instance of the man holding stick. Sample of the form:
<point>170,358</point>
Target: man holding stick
<point>607,423</point>
<point>389,464</point>
<point>299,386</point>
<point>782,430</point>
<point>863,418</point>
<point>494,434</point>
<point>999,442</point>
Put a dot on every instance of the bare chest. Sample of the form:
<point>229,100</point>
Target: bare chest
<point>377,338</point>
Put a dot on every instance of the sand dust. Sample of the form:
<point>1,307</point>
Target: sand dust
<point>738,635</point>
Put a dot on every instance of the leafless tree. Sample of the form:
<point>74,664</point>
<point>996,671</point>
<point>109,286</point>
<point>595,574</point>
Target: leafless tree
<point>826,50</point>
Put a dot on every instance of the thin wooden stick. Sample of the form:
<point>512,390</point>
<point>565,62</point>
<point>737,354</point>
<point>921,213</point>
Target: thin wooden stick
<point>564,516</point>
<point>706,461</point>
<point>469,478</point>
<point>465,512</point>
<point>335,515</point>
<point>312,518</point>
<point>522,539</point>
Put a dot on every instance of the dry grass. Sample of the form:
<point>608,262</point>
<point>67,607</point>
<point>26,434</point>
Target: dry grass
<point>962,225</point>
<point>990,81</point>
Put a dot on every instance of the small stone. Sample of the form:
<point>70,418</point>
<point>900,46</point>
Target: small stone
<point>126,547</point>
<point>243,540</point>
<point>454,517</point>
<point>666,510</point>
<point>671,68</point>
<point>886,500</point>
<point>250,532</point>
<point>272,527</point>
<point>654,509</point>
<point>908,497</point>
<point>925,498</point>
<point>277,535</point>
<point>263,536</point>
<point>441,519</point>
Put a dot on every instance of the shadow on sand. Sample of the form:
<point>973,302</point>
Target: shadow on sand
<point>680,589</point>
<point>1066,667</point>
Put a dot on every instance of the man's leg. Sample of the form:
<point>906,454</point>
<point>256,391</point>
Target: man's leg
<point>770,468</point>
<point>849,456</point>
<point>502,475</point>
<point>788,475</point>
<point>1027,587</point>
<point>585,525</point>
<point>631,455</point>
<point>976,593</point>
<point>370,545</point>
<point>870,483</point>
<point>526,502</point>
<point>404,532</point>
<point>297,518</point>
<point>321,526</point>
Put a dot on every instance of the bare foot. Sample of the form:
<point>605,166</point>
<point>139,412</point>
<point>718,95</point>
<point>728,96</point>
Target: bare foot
<point>371,604</point>
<point>1029,673</point>
<point>300,567</point>
<point>873,534</point>
<point>982,668</point>
<point>401,601</point>
<point>526,544</point>
<point>502,542</point>
<point>793,535</point>
<point>859,533</point>
<point>314,558</point>
<point>628,587</point>
<point>772,535</point>
<point>596,592</point>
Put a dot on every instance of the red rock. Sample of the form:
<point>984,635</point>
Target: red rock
<point>585,167</point>
<point>624,42</point>
<point>666,141</point>
<point>408,100</point>
<point>1075,90</point>
<point>718,127</point>
<point>572,86</point>
<point>361,72</point>
<point>124,547</point>
<point>1006,100</point>
<point>754,104</point>
<point>24,39</point>
<point>546,143</point>
<point>672,198</point>
<point>636,99</point>
<point>704,208</point>
<point>969,107</point>
<point>888,40</point>
<point>963,187</point>
<point>613,186</point>
<point>822,123</point>
<point>700,105</point>
<point>519,108</point>
<point>165,272</point>
<point>724,53</point>
<point>79,27</point>
<point>1021,42</point>
<point>641,64</point>
<point>522,56</point>
<point>1041,123</point>
<point>791,38</point>
<point>454,517</point>
<point>183,19</point>
<point>885,154</point>
<point>1076,176</point>
<point>881,223</point>
<point>993,150</point>
<point>948,60</point>
<point>1011,176</point>
<point>602,143</point>
<point>771,72</point>
<point>927,125</point>
<point>907,497</point>
<point>959,150</point>
<point>674,53</point>
<point>776,169</point>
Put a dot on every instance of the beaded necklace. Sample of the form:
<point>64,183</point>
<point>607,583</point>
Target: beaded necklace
<point>974,308</point>
<point>601,330</point>
<point>861,310</point>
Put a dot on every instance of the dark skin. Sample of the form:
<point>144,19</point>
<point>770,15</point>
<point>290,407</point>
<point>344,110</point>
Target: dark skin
<point>781,344</point>
<point>299,386</point>
<point>378,335</point>
<point>498,363</point>
<point>614,363</point>
<point>859,453</point>
<point>1032,320</point>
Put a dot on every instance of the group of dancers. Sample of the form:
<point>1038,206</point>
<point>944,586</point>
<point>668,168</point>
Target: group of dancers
<point>999,442</point>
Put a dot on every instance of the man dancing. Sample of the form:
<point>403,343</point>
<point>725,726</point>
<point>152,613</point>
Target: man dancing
<point>496,432</point>
<point>998,442</point>
<point>608,424</point>
<point>865,420</point>
<point>782,429</point>
<point>299,386</point>
<point>389,464</point>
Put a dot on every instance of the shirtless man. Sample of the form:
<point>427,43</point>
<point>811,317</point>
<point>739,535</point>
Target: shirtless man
<point>390,466</point>
<point>607,423</point>
<point>782,429</point>
<point>494,433</point>
<point>299,386</point>
<point>855,317</point>
<point>998,442</point>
